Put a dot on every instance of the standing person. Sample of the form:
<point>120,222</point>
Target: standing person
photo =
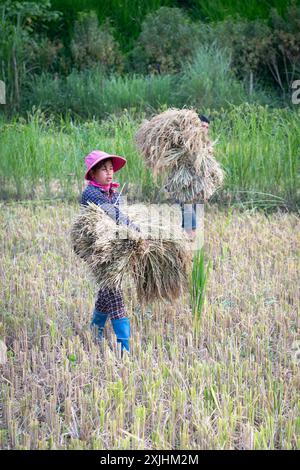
<point>101,190</point>
<point>188,210</point>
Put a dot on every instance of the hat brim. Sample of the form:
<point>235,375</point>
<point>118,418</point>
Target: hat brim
<point>118,163</point>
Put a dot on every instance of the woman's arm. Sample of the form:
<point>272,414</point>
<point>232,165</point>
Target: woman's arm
<point>109,208</point>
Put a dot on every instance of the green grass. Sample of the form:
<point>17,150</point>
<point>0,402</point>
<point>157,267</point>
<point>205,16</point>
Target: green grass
<point>91,94</point>
<point>198,281</point>
<point>258,148</point>
<point>206,81</point>
<point>209,82</point>
<point>48,157</point>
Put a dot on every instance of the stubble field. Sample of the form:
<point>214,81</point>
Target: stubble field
<point>226,379</point>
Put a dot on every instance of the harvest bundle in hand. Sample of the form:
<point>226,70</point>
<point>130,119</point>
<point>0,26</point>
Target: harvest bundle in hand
<point>159,268</point>
<point>174,144</point>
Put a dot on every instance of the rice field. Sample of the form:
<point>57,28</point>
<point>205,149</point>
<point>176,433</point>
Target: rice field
<point>227,378</point>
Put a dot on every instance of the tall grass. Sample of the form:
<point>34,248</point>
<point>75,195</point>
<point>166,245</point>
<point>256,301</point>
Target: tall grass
<point>206,81</point>
<point>198,281</point>
<point>258,148</point>
<point>91,94</point>
<point>45,159</point>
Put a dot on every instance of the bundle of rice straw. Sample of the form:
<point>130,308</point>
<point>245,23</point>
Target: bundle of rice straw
<point>160,271</point>
<point>174,144</point>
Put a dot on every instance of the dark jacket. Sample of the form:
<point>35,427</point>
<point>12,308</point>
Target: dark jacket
<point>109,202</point>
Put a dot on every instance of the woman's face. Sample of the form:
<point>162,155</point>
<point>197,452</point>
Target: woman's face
<point>104,173</point>
<point>205,127</point>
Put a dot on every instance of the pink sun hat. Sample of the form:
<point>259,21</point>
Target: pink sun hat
<point>97,155</point>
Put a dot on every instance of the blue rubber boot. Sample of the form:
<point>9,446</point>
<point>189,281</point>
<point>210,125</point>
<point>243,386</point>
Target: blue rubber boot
<point>98,321</point>
<point>121,328</point>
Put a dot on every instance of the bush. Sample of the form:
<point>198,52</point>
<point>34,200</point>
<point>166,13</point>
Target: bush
<point>168,37</point>
<point>247,42</point>
<point>44,55</point>
<point>267,51</point>
<point>208,81</point>
<point>93,45</point>
<point>283,57</point>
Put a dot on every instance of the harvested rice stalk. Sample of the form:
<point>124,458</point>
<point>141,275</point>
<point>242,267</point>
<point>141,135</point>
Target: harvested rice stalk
<point>174,143</point>
<point>174,135</point>
<point>159,269</point>
<point>184,184</point>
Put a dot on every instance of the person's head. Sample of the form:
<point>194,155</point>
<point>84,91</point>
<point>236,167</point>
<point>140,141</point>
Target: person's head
<point>103,171</point>
<point>204,122</point>
<point>101,165</point>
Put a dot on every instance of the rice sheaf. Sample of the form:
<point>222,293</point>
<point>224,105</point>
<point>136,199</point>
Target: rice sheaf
<point>159,268</point>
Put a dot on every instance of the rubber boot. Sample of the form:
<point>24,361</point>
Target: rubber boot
<point>98,321</point>
<point>121,328</point>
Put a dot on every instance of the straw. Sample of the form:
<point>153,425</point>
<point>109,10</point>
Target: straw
<point>159,268</point>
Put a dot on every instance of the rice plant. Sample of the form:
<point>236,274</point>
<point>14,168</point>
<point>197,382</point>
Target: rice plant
<point>198,281</point>
<point>256,146</point>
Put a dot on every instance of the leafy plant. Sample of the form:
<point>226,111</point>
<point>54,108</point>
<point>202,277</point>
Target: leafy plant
<point>17,20</point>
<point>168,37</point>
<point>45,55</point>
<point>93,45</point>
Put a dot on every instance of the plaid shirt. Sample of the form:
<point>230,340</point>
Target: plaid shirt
<point>109,300</point>
<point>106,200</point>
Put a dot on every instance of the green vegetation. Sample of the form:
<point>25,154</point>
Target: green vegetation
<point>198,281</point>
<point>39,39</point>
<point>128,15</point>
<point>90,94</point>
<point>258,148</point>
<point>207,82</point>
